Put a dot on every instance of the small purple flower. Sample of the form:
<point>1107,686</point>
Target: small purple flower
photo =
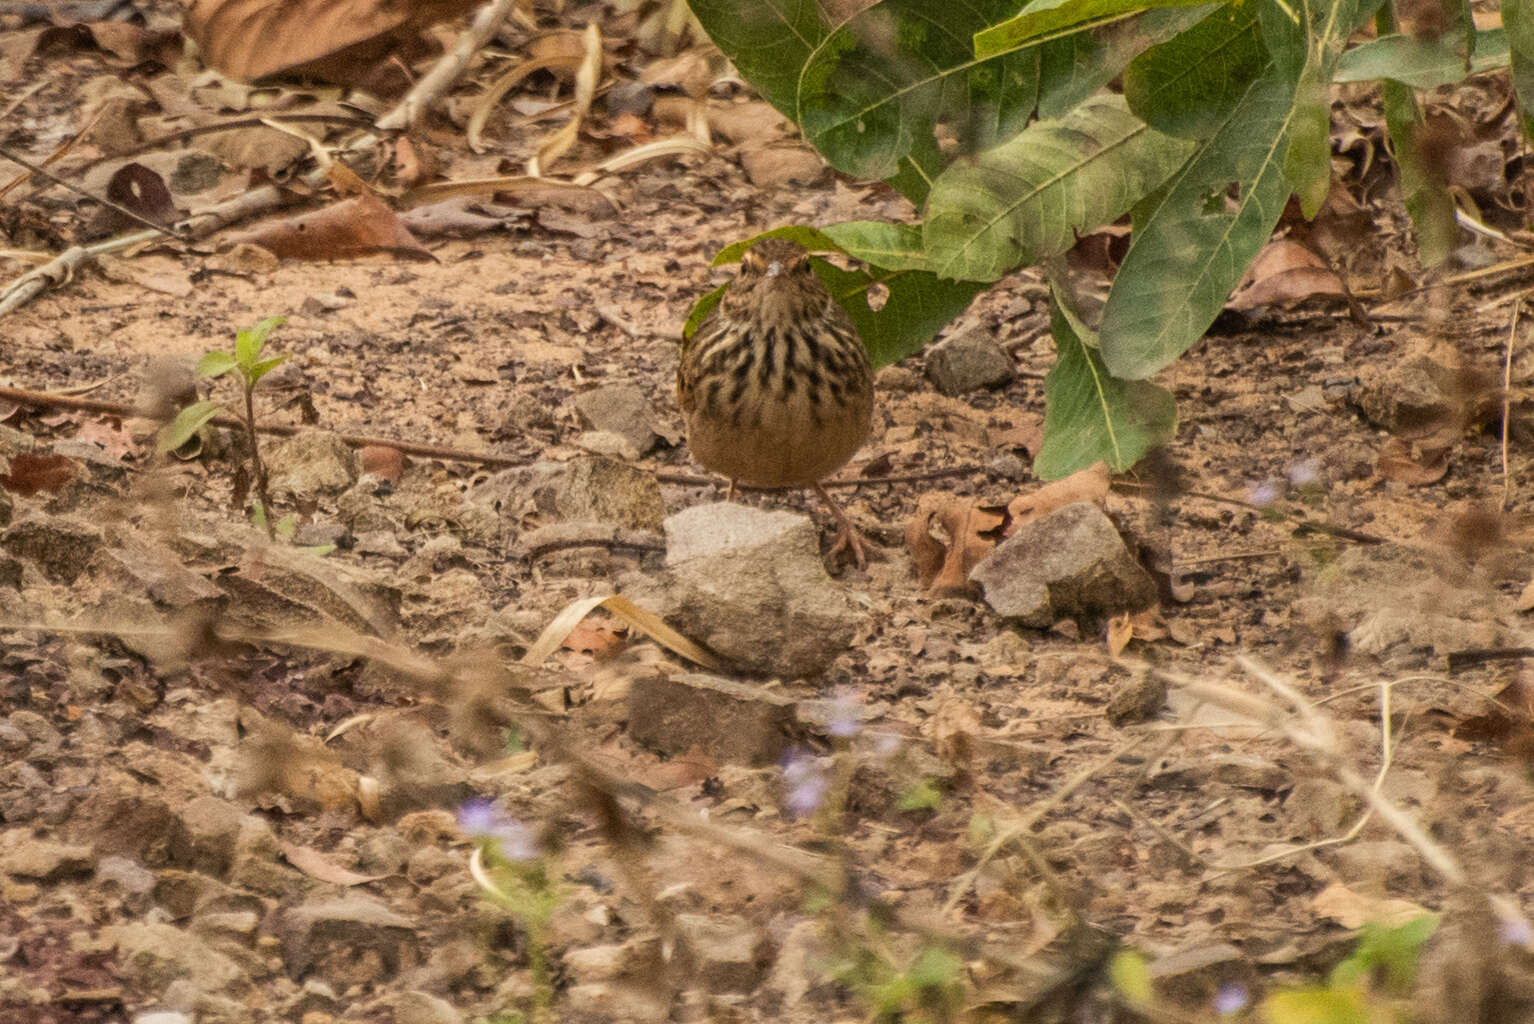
<point>510,838</point>
<point>1518,933</point>
<point>1263,494</point>
<point>806,783</point>
<point>1305,472</point>
<point>845,718</point>
<point>1230,998</point>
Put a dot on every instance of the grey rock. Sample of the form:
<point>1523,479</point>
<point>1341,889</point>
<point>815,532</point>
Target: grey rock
<point>729,721</point>
<point>750,585</point>
<point>424,1008</point>
<point>349,941</point>
<point>12,740</point>
<point>1192,975</point>
<point>798,971</point>
<point>603,1002</point>
<point>590,488</point>
<point>255,864</point>
<point>1139,698</point>
<point>154,955</point>
<point>620,409</point>
<point>1069,563</point>
<point>22,855</point>
<point>967,362</point>
<point>310,465</point>
<point>212,829</point>
<point>37,728</point>
<point>159,573</point>
<point>726,950</point>
<point>60,547</point>
<point>1413,396</point>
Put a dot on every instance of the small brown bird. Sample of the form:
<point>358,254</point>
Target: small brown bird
<point>775,384</point>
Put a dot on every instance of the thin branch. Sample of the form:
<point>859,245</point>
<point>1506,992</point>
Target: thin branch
<point>448,69</point>
<point>38,171</point>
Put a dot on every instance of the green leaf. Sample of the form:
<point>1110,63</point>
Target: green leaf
<point>1189,85</point>
<point>286,527</point>
<point>1131,978</point>
<point>1316,1006</point>
<point>1090,415</point>
<point>1518,22</point>
<point>919,304</point>
<point>1195,244</point>
<point>186,424</point>
<point>1084,59</point>
<point>935,968</point>
<point>1308,162</point>
<point>1027,199</point>
<point>1391,951</point>
<point>874,90</point>
<point>1424,63</point>
<point>1040,19</point>
<point>924,796</point>
<point>768,41</point>
<point>248,343</point>
<point>261,369</point>
<point>215,364</point>
<point>700,310</point>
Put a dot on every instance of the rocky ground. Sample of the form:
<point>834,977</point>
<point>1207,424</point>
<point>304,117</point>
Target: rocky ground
<point>244,780</point>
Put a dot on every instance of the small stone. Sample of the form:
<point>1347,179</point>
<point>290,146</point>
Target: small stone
<point>726,951</point>
<point>591,488</point>
<point>311,465</point>
<point>620,409</point>
<point>1069,563</point>
<point>424,1008</point>
<point>59,546</point>
<point>349,941</point>
<point>212,828</point>
<point>729,721</point>
<point>967,362</point>
<point>789,164</point>
<point>1191,976</point>
<point>1139,699</point>
<point>162,1017</point>
<point>751,586</point>
<point>24,856</point>
<point>155,955</point>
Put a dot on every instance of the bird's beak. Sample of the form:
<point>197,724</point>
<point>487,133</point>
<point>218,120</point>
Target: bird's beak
<point>774,268</point>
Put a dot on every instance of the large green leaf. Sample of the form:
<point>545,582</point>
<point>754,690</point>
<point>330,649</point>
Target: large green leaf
<point>1091,415</point>
<point>1423,63</point>
<point>1189,85</point>
<point>1193,245</point>
<point>1026,199</point>
<point>918,303</point>
<point>769,41</point>
<point>873,92</point>
<point>1308,162</point>
<point>1076,62</point>
<point>1050,18</point>
<point>1518,21</point>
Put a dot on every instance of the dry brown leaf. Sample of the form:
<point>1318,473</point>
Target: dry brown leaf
<point>1285,272</point>
<point>33,474</point>
<point>316,865</point>
<point>1121,630</point>
<point>651,625</point>
<point>350,228</point>
<point>558,60</point>
<point>1090,484</point>
<point>948,537</point>
<point>335,39</point>
<point>586,78</point>
<point>1412,462</point>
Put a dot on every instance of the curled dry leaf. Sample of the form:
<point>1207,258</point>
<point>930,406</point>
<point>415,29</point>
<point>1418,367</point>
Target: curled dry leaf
<point>338,40</point>
<point>352,227</point>
<point>1412,462</point>
<point>316,865</point>
<point>651,625</point>
<point>1090,484</point>
<point>1283,274</point>
<point>948,537</point>
<point>568,60</point>
<point>35,474</point>
<point>586,78</point>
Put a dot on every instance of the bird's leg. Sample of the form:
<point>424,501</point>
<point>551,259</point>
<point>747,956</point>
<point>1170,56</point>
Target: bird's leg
<point>731,495</point>
<point>848,538</point>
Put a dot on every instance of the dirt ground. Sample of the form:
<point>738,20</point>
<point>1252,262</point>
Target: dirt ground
<point>141,791</point>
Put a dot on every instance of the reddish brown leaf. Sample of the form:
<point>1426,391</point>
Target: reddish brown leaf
<point>948,537</point>
<point>1090,484</point>
<point>1412,462</point>
<point>352,227</point>
<point>31,474</point>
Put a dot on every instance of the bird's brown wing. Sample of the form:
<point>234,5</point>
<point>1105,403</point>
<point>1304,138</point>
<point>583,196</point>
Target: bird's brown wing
<point>687,365</point>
